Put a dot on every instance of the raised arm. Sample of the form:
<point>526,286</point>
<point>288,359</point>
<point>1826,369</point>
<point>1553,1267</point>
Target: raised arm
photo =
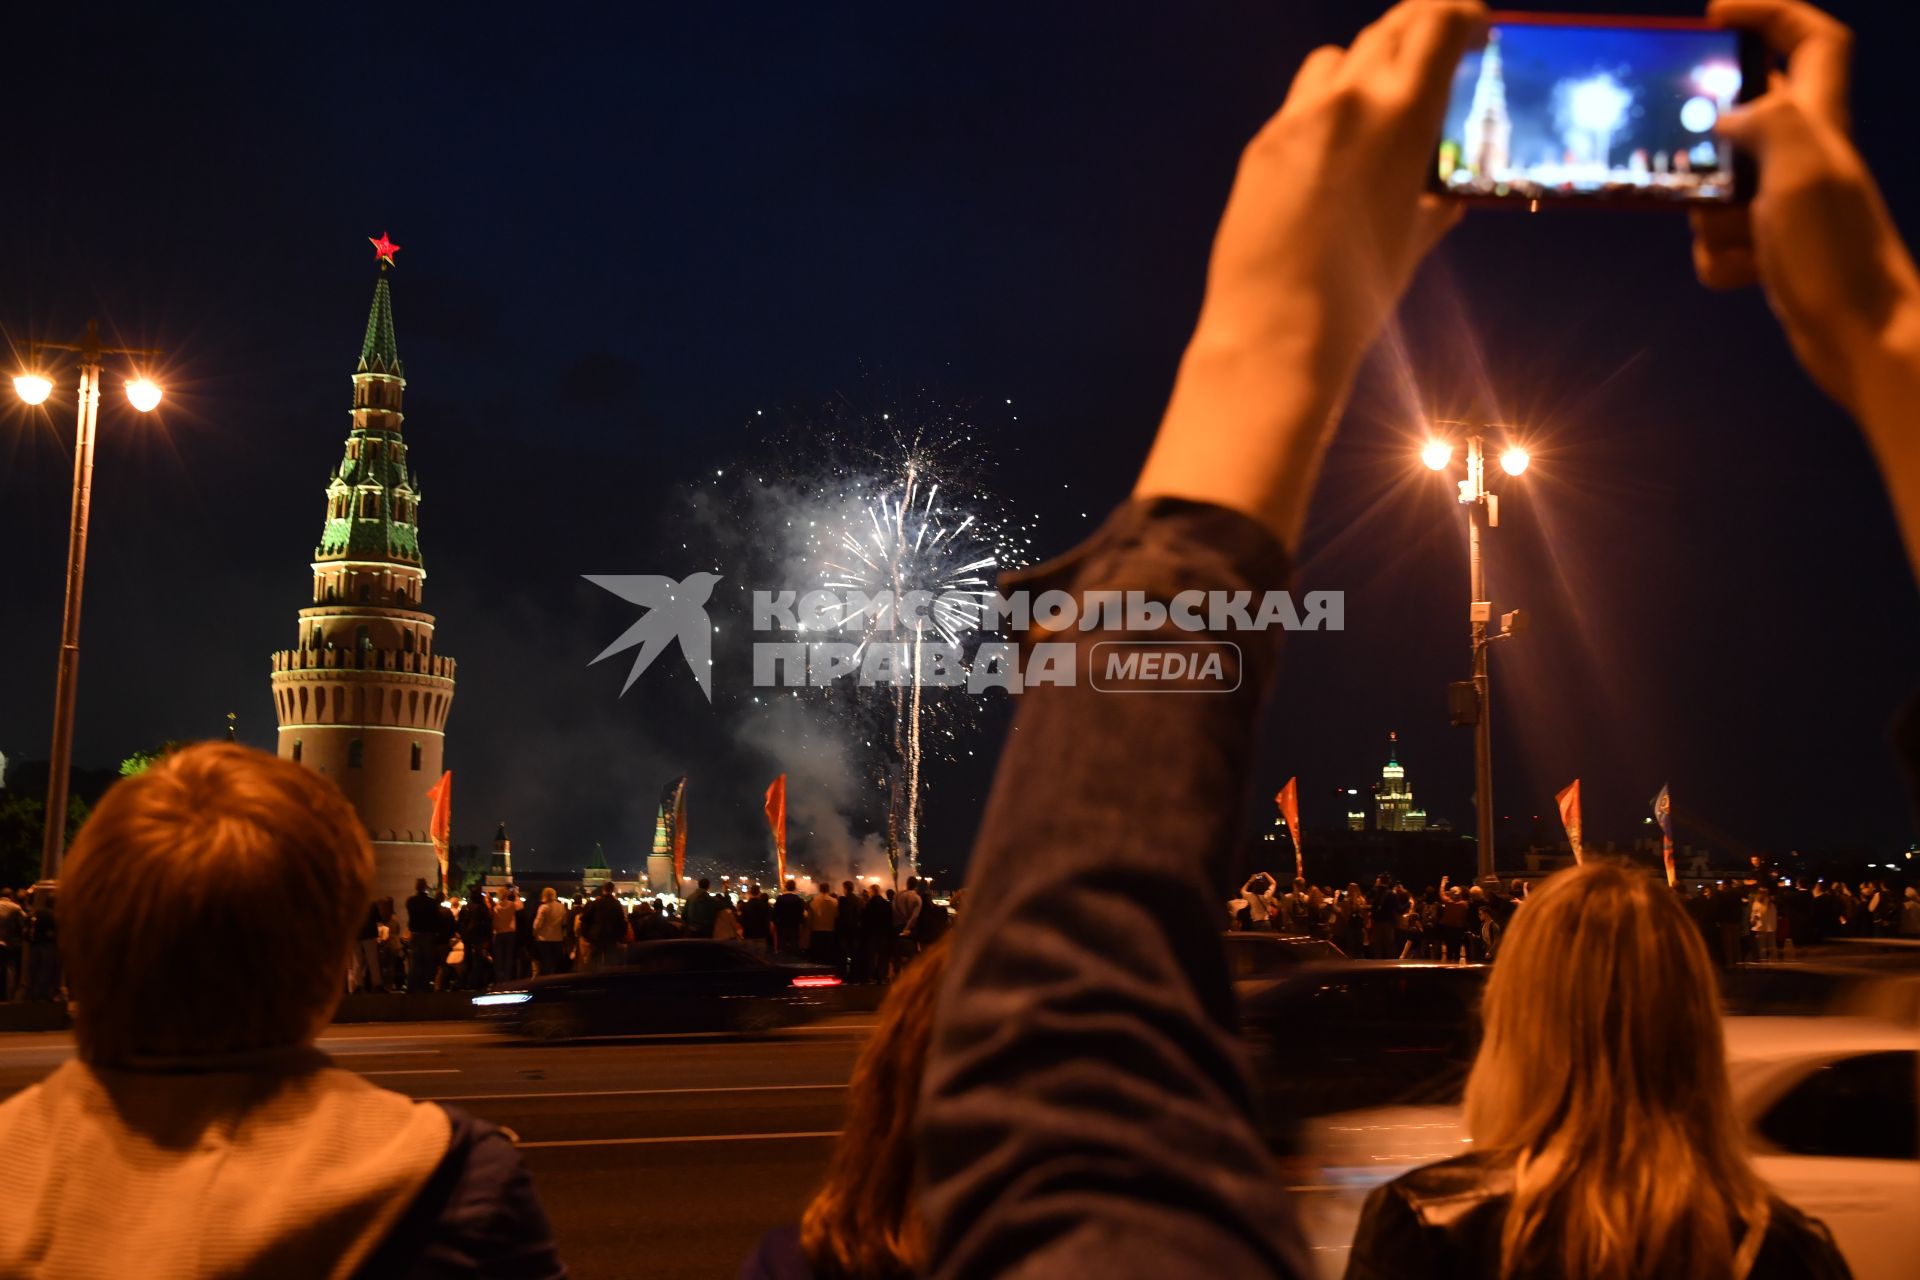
<point>1086,1111</point>
<point>1819,238</point>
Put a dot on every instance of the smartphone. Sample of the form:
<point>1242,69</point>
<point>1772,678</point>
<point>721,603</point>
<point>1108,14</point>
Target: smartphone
<point>1575,110</point>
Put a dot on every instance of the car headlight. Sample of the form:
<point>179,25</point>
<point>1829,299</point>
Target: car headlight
<point>503,997</point>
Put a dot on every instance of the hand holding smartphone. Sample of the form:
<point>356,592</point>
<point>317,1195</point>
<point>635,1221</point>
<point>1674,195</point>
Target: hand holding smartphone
<point>1559,109</point>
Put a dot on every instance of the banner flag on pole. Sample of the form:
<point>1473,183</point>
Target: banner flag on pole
<point>1568,799</point>
<point>1663,813</point>
<point>1289,802</point>
<point>777,822</point>
<point>440,828</point>
<point>670,829</point>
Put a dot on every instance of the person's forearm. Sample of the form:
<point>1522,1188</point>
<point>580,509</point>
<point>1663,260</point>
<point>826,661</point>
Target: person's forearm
<point>1250,416</point>
<point>1887,404</point>
<point>1086,1106</point>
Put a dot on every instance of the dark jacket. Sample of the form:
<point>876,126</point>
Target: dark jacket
<point>756,918</point>
<point>603,922</point>
<point>423,915</point>
<point>478,1215</point>
<point>1087,1110</point>
<point>789,913</point>
<point>1443,1222</point>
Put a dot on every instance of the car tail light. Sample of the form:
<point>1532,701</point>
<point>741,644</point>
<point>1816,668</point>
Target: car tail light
<point>816,980</point>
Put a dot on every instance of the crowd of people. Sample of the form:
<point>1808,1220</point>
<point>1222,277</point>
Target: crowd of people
<point>1386,921</point>
<point>1062,1091</point>
<point>865,932</point>
<point>1767,919</point>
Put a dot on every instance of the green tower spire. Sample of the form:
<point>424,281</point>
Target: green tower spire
<point>379,353</point>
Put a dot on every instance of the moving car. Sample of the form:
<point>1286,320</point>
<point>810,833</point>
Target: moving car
<point>1259,953</point>
<point>1832,1105</point>
<point>685,985</point>
<point>1340,1036</point>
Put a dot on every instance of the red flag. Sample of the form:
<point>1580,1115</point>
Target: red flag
<point>1569,801</point>
<point>1663,813</point>
<point>679,832</point>
<point>440,828</point>
<point>777,822</point>
<point>1289,802</point>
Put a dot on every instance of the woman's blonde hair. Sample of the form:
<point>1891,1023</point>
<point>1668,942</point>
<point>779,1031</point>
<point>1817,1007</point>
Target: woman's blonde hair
<point>1602,1083</point>
<point>209,905</point>
<point>864,1221</point>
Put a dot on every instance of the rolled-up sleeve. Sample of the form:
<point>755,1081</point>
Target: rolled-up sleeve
<point>1086,1109</point>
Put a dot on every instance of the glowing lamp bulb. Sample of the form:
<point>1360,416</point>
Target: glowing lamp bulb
<point>32,388</point>
<point>1436,454</point>
<point>1514,461</point>
<point>143,394</point>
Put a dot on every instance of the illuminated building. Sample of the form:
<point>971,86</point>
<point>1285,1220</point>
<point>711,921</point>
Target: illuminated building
<point>1489,130</point>
<point>363,695</point>
<point>500,865</point>
<point>1393,798</point>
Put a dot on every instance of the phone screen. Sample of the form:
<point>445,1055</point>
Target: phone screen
<point>1564,110</point>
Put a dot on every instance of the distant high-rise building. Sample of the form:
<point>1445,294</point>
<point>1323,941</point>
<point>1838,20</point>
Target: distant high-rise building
<point>500,865</point>
<point>1489,130</point>
<point>364,693</point>
<point>1393,798</point>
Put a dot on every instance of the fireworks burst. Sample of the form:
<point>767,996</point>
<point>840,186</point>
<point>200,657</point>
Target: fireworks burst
<point>873,509</point>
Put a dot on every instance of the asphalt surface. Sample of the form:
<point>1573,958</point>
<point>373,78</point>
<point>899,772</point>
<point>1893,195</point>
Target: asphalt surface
<point>664,1156</point>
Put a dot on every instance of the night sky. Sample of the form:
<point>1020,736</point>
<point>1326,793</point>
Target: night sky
<point>626,235</point>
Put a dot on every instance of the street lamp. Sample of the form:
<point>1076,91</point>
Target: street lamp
<point>34,388</point>
<point>1483,509</point>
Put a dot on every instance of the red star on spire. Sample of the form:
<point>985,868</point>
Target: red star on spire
<point>383,248</point>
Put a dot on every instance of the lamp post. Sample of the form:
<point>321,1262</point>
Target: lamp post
<point>34,387</point>
<point>1483,511</point>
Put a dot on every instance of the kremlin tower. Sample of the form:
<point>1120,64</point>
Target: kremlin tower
<point>363,694</point>
<point>1489,129</point>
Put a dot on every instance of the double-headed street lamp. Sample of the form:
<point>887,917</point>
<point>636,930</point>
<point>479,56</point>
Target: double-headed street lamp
<point>34,387</point>
<point>1483,509</point>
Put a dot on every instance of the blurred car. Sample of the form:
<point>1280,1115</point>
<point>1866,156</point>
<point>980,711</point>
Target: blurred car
<point>685,985</point>
<point>1832,1104</point>
<point>1262,954</point>
<point>1856,983</point>
<point>1350,1034</point>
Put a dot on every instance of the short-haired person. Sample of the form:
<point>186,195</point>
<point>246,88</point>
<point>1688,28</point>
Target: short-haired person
<point>1086,1109</point>
<point>211,902</point>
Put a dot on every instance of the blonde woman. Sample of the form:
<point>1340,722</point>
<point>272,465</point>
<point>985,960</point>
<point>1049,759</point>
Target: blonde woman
<point>1605,1142</point>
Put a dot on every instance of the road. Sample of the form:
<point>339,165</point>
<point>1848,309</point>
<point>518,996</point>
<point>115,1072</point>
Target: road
<point>665,1156</point>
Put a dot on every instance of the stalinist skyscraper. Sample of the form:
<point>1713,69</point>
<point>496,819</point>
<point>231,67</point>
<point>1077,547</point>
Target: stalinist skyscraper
<point>363,695</point>
<point>1489,130</point>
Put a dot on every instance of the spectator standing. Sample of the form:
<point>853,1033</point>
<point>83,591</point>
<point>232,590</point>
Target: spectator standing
<point>43,945</point>
<point>367,974</point>
<point>906,918</point>
<point>506,935</point>
<point>726,921</point>
<point>603,926</point>
<point>823,924</point>
<point>756,921</point>
<point>423,937</point>
<point>13,943</point>
<point>476,930</point>
<point>701,908</point>
<point>847,929</point>
<point>550,934</point>
<point>1765,918</point>
<point>790,922</point>
<point>876,935</point>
